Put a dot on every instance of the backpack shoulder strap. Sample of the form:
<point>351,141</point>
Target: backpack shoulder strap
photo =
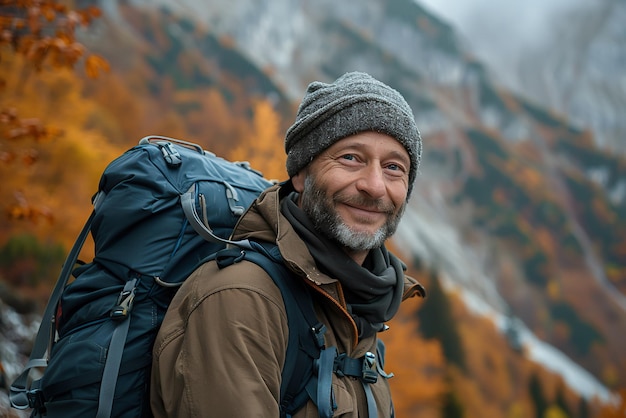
<point>306,333</point>
<point>23,393</point>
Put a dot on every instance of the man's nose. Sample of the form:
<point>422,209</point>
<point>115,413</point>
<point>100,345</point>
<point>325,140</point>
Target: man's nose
<point>372,181</point>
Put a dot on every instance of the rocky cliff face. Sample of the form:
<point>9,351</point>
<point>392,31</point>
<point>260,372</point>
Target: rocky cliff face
<point>579,70</point>
<point>566,55</point>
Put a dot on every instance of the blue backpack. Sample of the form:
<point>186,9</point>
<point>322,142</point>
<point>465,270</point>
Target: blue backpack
<point>163,207</point>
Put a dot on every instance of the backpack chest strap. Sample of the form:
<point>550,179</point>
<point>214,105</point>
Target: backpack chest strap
<point>363,368</point>
<point>320,388</point>
<point>366,369</point>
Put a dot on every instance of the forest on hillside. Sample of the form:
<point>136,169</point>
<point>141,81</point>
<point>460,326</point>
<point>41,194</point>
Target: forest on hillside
<point>66,113</point>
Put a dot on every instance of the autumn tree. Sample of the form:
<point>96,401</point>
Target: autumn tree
<point>418,366</point>
<point>37,35</point>
<point>264,149</point>
<point>62,181</point>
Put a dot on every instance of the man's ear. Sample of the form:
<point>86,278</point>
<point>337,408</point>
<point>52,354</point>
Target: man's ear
<point>298,181</point>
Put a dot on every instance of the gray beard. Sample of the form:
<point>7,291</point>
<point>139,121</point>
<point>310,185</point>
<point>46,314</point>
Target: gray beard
<point>320,209</point>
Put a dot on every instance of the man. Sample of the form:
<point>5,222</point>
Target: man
<point>353,154</point>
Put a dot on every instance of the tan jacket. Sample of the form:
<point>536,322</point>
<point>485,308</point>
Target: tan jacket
<point>220,350</point>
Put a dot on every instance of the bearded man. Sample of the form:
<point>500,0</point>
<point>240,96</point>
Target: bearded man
<point>352,158</point>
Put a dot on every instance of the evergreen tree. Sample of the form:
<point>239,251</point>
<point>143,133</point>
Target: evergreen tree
<point>451,407</point>
<point>583,408</point>
<point>436,322</point>
<point>561,402</point>
<point>535,389</point>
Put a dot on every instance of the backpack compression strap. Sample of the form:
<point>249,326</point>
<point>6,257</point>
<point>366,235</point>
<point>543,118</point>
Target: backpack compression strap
<point>121,314</point>
<point>187,201</point>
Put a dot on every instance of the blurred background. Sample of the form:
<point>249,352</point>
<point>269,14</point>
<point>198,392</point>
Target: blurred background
<point>517,224</point>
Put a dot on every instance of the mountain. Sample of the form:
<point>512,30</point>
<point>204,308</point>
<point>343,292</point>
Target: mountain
<point>518,209</point>
<point>567,55</point>
<point>581,72</point>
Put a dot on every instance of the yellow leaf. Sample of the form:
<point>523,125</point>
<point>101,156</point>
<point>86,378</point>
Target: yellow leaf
<point>94,64</point>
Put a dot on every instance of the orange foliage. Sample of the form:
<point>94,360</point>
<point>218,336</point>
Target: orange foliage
<point>546,242</point>
<point>23,210</point>
<point>59,186</point>
<point>264,148</point>
<point>528,150</point>
<point>602,211</point>
<point>211,121</point>
<point>617,410</point>
<point>510,101</point>
<point>95,64</point>
<point>530,178</point>
<point>14,128</point>
<point>227,41</point>
<point>418,366</point>
<point>33,34</point>
<point>527,177</point>
<point>500,196</point>
<point>43,32</point>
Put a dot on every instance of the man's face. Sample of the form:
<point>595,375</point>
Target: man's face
<point>355,191</point>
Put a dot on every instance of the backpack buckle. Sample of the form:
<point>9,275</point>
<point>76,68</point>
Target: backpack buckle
<point>36,400</point>
<point>124,302</point>
<point>170,154</point>
<point>318,334</point>
<point>363,368</point>
<point>370,373</point>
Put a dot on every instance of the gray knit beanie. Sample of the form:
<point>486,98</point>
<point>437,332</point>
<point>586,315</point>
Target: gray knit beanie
<point>354,103</point>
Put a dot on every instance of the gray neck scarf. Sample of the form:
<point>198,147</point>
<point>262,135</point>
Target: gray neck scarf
<point>373,291</point>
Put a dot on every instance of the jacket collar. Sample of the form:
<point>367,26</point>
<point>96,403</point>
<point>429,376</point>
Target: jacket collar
<point>264,221</point>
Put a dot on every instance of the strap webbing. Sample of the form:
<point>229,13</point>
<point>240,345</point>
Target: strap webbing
<point>114,359</point>
<point>187,201</point>
<point>325,400</point>
<point>372,411</point>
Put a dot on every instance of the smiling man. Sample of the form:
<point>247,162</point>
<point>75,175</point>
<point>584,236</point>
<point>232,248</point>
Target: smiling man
<point>352,158</point>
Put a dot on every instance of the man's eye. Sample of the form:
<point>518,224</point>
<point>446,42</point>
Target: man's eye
<point>349,157</point>
<point>396,169</point>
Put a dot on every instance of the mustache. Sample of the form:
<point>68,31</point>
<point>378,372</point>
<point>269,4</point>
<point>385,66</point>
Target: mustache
<point>364,202</point>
